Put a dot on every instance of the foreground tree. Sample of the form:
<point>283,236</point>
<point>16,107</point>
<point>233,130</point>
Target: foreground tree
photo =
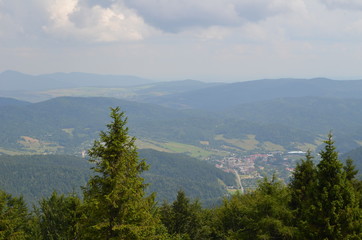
<point>183,218</point>
<point>14,218</point>
<point>262,214</point>
<point>114,198</point>
<point>59,217</point>
<point>325,199</point>
<point>303,190</point>
<point>337,215</point>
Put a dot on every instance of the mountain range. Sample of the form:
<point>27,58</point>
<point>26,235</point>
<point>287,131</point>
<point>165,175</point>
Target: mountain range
<point>63,113</point>
<point>289,114</point>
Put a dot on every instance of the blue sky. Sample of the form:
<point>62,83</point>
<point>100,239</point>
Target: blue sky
<point>216,40</point>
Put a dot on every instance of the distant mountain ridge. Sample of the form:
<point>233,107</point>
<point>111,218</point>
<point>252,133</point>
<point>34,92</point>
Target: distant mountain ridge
<point>289,113</point>
<point>11,102</point>
<point>230,95</point>
<point>16,81</point>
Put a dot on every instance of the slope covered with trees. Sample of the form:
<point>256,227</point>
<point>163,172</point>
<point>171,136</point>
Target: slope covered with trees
<point>37,176</point>
<point>69,125</point>
<point>322,201</point>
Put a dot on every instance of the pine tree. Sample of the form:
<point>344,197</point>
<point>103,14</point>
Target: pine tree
<point>115,205</point>
<point>335,201</point>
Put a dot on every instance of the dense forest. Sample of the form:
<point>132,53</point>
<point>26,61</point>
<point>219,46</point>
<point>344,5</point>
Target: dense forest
<point>322,201</point>
<point>37,176</point>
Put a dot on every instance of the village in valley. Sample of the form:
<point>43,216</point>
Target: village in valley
<point>249,169</point>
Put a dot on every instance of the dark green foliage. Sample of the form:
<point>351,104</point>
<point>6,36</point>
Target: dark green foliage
<point>170,172</point>
<point>336,215</point>
<point>263,214</point>
<point>183,218</point>
<point>59,217</point>
<point>115,205</point>
<point>302,190</point>
<point>37,176</point>
<point>327,202</point>
<point>14,218</point>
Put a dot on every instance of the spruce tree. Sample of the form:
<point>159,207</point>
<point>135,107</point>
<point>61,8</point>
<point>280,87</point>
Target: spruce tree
<point>114,198</point>
<point>59,217</point>
<point>14,218</point>
<point>303,189</point>
<point>336,202</point>
<point>183,218</point>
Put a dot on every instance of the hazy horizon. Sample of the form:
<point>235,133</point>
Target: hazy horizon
<point>213,40</point>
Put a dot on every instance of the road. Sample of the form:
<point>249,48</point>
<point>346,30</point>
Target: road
<point>239,181</point>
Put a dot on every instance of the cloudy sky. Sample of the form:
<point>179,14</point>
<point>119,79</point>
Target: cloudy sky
<point>216,40</point>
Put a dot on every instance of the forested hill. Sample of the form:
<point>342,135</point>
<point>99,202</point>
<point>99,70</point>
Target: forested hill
<point>230,95</point>
<point>37,176</point>
<point>317,115</point>
<point>11,102</point>
<point>69,125</point>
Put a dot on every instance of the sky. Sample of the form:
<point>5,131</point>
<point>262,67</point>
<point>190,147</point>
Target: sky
<point>209,40</point>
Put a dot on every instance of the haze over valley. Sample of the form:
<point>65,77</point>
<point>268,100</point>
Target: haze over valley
<point>252,128</point>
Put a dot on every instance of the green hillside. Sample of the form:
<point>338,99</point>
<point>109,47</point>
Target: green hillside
<point>36,176</point>
<point>69,125</point>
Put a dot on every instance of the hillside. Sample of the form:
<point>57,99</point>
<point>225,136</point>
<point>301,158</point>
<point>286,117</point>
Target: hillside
<point>312,114</point>
<point>69,125</point>
<point>231,95</point>
<point>36,176</point>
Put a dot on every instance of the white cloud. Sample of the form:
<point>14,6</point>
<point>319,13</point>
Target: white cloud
<point>75,19</point>
<point>175,16</point>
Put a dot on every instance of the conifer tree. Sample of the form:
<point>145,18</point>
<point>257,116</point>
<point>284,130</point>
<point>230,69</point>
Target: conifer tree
<point>183,217</point>
<point>262,214</point>
<point>336,215</point>
<point>115,205</point>
<point>59,217</point>
<point>325,202</point>
<point>303,189</point>
<point>14,217</point>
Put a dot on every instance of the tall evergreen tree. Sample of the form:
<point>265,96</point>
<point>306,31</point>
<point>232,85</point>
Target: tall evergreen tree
<point>303,189</point>
<point>337,215</point>
<point>324,198</point>
<point>183,218</point>
<point>114,197</point>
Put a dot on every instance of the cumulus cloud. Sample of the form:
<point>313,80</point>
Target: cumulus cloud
<point>174,16</point>
<point>86,20</point>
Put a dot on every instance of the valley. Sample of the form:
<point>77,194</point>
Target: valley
<point>256,128</point>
